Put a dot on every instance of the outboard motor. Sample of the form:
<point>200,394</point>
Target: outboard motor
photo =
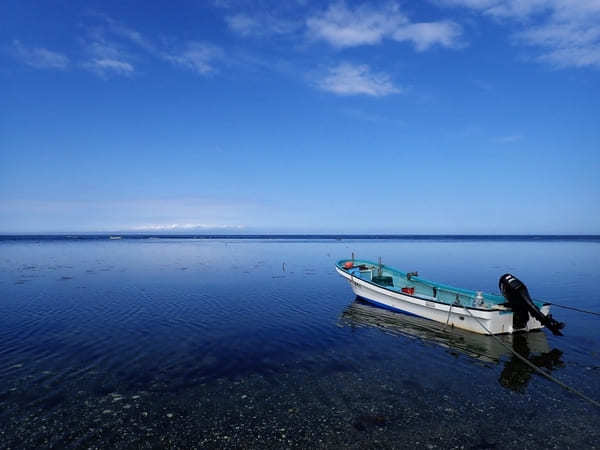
<point>515,291</point>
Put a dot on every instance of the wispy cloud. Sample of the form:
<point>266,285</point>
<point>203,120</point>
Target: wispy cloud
<point>134,36</point>
<point>501,8</point>
<point>243,24</point>
<point>111,48</point>
<point>509,139</point>
<point>566,43</point>
<point>351,79</point>
<point>197,56</point>
<point>40,58</point>
<point>342,26</point>
<point>117,49</point>
<point>566,31</point>
<point>107,59</point>
<point>262,24</point>
<point>106,67</point>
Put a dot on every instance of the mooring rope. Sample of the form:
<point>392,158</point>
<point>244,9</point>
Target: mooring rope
<point>536,368</point>
<point>574,309</point>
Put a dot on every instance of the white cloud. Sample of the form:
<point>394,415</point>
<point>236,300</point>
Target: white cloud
<point>197,56</point>
<point>130,34</point>
<point>566,31</point>
<point>116,49</point>
<point>243,24</point>
<point>341,27</point>
<point>106,67</point>
<point>259,24</point>
<point>40,58</point>
<point>106,59</point>
<point>151,214</point>
<point>184,227</point>
<point>426,34</point>
<point>503,8</point>
<point>350,79</point>
<point>566,43</point>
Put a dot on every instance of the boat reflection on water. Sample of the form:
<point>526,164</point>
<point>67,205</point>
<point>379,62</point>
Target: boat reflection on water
<point>515,375</point>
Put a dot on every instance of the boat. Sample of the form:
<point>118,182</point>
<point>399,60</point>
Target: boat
<point>114,238</point>
<point>479,348</point>
<point>513,311</point>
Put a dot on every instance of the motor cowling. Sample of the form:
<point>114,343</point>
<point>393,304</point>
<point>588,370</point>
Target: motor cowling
<point>517,295</point>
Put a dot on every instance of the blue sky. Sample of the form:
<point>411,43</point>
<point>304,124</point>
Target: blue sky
<point>440,116</point>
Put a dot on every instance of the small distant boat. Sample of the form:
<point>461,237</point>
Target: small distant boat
<point>470,310</point>
<point>114,237</point>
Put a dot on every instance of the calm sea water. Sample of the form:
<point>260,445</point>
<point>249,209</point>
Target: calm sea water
<point>150,343</point>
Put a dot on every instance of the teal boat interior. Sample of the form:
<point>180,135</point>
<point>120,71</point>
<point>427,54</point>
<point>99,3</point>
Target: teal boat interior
<point>411,284</point>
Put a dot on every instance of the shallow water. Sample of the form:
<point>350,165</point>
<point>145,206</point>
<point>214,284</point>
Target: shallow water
<point>259,343</point>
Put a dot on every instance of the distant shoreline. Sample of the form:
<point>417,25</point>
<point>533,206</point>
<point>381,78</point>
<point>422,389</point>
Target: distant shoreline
<point>411,237</point>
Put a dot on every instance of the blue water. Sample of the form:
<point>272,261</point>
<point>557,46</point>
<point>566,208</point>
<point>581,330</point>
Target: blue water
<point>257,342</point>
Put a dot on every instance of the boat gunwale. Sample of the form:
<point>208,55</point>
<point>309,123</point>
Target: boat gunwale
<point>340,263</point>
<point>501,311</point>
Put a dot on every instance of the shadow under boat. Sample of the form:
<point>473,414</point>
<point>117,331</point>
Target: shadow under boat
<point>532,345</point>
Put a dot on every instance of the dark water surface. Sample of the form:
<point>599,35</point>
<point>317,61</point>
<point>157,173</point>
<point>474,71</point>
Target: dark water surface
<point>146,343</point>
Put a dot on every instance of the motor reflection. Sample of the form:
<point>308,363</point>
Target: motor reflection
<point>481,348</point>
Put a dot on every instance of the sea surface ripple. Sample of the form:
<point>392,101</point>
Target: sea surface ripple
<point>233,343</point>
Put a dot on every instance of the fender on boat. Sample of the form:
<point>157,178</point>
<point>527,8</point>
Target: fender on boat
<point>515,291</point>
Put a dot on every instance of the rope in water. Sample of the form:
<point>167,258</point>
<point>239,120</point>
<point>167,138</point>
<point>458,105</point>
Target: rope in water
<point>574,309</point>
<point>536,368</point>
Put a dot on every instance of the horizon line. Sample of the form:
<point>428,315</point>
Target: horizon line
<point>296,234</point>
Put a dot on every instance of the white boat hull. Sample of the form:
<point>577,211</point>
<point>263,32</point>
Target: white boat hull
<point>497,320</point>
